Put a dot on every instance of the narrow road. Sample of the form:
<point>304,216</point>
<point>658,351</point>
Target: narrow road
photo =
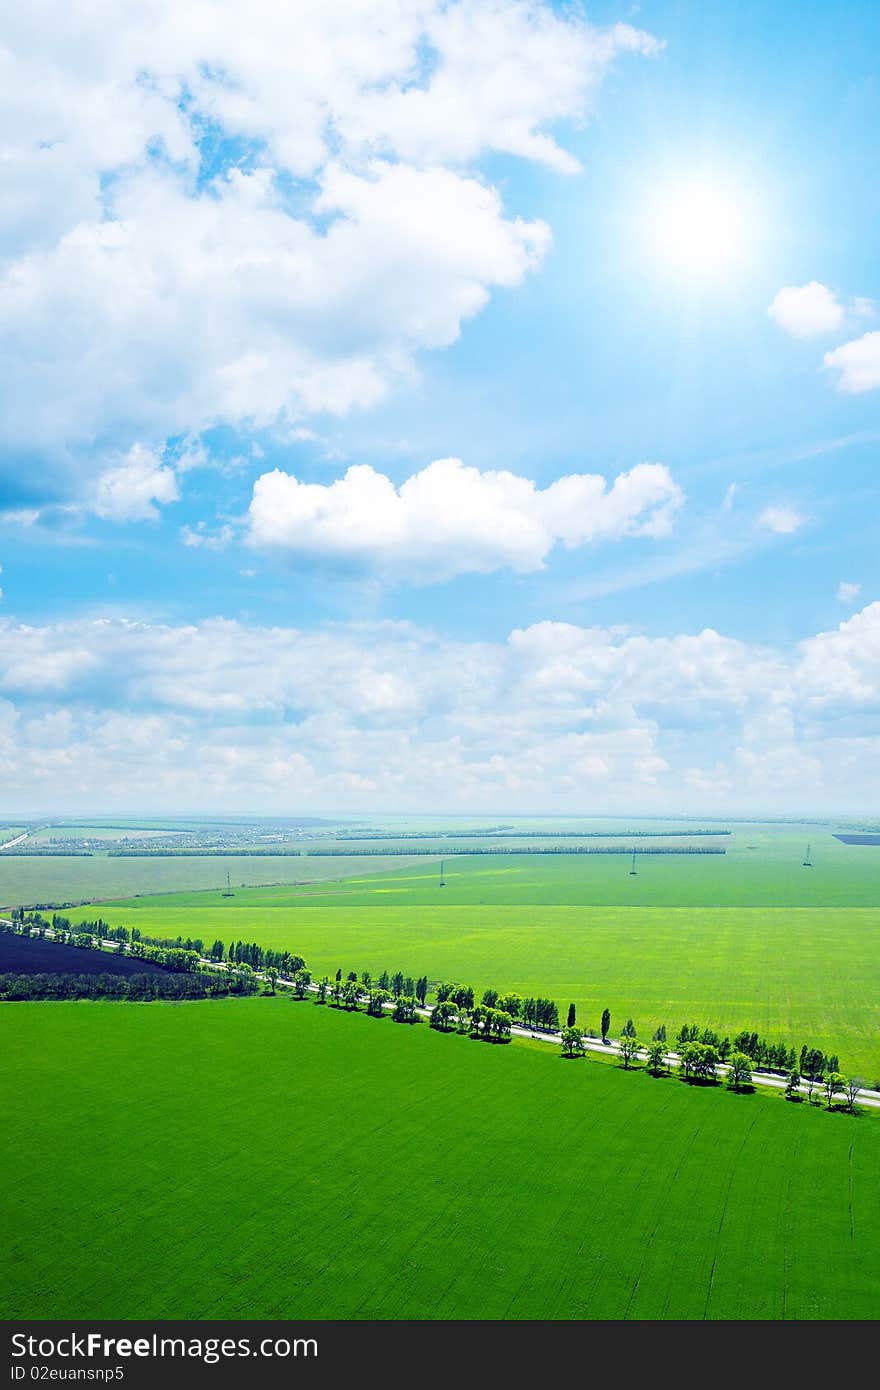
<point>17,841</point>
<point>865,1096</point>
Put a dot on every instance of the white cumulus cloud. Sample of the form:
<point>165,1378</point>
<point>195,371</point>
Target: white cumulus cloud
<point>451,519</point>
<point>858,364</point>
<point>807,311</point>
<point>347,227</point>
<point>243,717</point>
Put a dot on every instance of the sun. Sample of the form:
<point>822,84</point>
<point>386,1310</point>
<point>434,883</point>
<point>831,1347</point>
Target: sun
<point>700,226</point>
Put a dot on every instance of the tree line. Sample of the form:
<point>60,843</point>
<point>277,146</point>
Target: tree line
<point>511,830</point>
<point>130,940</point>
<point>451,850</point>
<point>701,1053</point>
<point>766,1056</point>
<point>178,958</point>
<point>136,988</point>
<point>455,1009</point>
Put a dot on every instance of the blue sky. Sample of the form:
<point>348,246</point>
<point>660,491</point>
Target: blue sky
<point>231,281</point>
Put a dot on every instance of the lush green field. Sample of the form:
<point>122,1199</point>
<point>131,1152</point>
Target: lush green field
<point>45,880</point>
<point>762,867</point>
<point>770,875</point>
<point>799,974</point>
<point>748,939</point>
<point>263,1159</point>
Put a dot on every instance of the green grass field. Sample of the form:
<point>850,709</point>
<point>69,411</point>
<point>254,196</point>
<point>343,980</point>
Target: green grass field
<point>757,871</point>
<point>267,1159</point>
<point>748,939</point>
<point>44,880</point>
<point>794,973</point>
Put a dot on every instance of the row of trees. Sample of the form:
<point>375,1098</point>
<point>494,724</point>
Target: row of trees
<point>249,953</point>
<point>482,1021</point>
<point>177,959</point>
<point>451,850</point>
<point>351,992</point>
<point>137,988</point>
<point>455,1008</point>
<point>699,1061</point>
<point>533,1013</point>
<point>257,957</point>
<point>764,1055</point>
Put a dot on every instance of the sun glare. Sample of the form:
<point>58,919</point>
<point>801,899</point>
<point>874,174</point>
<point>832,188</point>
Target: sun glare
<point>700,227</point>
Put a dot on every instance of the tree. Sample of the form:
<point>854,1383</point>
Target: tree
<point>367,980</point>
<point>272,977</point>
<point>629,1029</point>
<point>422,989</point>
<point>350,995</point>
<point>833,1084</point>
<point>301,981</point>
<point>656,1056</point>
<point>490,998</point>
<point>397,984</point>
<point>705,1061</point>
<point>697,1061</point>
<point>572,1015</point>
<point>852,1086</point>
<point>792,1085</point>
<point>405,1009</point>
<point>501,1024</point>
<point>606,1024</point>
<point>572,1041</point>
<point>510,1004</point>
<point>740,1073</point>
<point>629,1047</point>
<point>443,1015</point>
<point>321,996</point>
<point>660,1034</point>
<point>376,1002</point>
<point>384,981</point>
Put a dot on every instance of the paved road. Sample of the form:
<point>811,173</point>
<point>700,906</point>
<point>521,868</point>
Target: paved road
<point>865,1096</point>
<point>17,841</point>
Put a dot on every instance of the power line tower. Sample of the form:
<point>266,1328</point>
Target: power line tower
<point>228,893</point>
<point>442,879</point>
<point>808,863</point>
<point>632,872</point>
